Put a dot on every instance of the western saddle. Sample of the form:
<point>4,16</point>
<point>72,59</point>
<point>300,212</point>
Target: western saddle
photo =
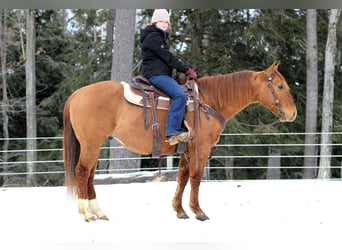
<point>150,95</point>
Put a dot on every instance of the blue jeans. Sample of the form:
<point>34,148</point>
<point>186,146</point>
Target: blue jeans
<point>175,116</point>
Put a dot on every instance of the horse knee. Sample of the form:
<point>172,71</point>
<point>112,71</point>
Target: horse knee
<point>196,178</point>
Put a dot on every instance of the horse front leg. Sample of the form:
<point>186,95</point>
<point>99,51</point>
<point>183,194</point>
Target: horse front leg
<point>196,173</point>
<point>182,180</point>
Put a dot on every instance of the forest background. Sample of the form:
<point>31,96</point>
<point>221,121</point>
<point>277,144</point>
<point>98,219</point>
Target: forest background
<point>68,49</point>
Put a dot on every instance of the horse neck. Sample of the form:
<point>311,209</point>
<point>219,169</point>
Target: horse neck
<point>228,94</point>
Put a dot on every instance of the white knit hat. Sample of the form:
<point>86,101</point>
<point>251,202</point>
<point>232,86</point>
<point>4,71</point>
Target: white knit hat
<point>160,15</point>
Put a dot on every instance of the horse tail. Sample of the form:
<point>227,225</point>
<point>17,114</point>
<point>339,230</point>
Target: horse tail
<point>71,151</point>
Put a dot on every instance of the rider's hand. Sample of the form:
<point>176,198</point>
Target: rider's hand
<point>191,73</point>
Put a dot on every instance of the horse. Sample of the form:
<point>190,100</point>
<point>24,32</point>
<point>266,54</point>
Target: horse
<point>98,111</point>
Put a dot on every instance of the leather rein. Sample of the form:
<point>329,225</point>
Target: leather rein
<point>208,110</point>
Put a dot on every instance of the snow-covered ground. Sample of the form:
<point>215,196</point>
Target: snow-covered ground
<point>302,214</point>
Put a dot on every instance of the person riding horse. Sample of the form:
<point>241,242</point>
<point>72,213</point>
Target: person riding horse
<point>157,65</point>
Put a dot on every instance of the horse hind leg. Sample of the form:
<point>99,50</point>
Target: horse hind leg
<point>82,176</point>
<point>87,203</point>
<point>93,204</point>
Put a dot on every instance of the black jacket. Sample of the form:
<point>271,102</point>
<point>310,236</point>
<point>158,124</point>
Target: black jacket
<point>156,57</point>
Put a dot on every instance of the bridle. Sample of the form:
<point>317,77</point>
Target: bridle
<point>280,112</point>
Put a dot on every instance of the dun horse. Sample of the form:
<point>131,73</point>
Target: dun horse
<point>98,111</point>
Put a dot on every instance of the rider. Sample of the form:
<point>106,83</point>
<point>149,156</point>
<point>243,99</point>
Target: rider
<point>157,65</point>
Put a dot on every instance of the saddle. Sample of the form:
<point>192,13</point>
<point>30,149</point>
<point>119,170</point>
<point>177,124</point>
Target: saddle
<point>137,93</point>
<point>142,93</point>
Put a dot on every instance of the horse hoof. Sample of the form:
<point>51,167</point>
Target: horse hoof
<point>202,217</point>
<point>183,216</point>
<point>92,218</point>
<point>103,218</point>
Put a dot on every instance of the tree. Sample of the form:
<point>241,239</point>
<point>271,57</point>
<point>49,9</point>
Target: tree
<point>4,103</point>
<point>273,170</point>
<point>328,96</point>
<point>72,51</point>
<point>310,161</point>
<point>31,126</point>
<point>122,65</point>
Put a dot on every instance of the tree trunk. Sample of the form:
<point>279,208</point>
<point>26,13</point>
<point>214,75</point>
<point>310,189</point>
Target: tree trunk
<point>5,103</point>
<point>229,161</point>
<point>110,31</point>
<point>310,161</point>
<point>273,170</point>
<point>328,96</point>
<point>31,126</point>
<point>122,65</point>
<point>197,35</point>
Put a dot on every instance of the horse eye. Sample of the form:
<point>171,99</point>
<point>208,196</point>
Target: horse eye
<point>280,87</point>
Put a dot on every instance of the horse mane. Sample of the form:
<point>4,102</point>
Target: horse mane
<point>218,90</point>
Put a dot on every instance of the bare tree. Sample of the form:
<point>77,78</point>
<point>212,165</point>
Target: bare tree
<point>31,125</point>
<point>122,65</point>
<point>310,162</point>
<point>4,103</point>
<point>328,96</point>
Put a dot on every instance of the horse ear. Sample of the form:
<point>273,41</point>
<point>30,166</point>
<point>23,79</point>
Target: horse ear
<point>276,65</point>
<point>273,67</point>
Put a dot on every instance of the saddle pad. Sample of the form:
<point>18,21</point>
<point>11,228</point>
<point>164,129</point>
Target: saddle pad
<point>134,96</point>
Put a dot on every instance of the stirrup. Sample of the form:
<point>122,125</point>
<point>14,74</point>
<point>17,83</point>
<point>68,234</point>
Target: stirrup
<point>174,139</point>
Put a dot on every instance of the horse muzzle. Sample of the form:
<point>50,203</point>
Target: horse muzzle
<point>288,117</point>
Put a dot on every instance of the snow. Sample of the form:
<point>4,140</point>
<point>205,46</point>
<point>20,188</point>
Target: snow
<point>261,214</point>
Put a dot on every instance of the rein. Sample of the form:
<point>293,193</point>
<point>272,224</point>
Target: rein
<point>208,110</point>
<point>274,124</point>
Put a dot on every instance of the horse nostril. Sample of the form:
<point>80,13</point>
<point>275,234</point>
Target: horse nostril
<point>294,115</point>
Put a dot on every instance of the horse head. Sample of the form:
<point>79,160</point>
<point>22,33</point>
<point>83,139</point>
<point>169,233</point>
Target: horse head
<point>273,92</point>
